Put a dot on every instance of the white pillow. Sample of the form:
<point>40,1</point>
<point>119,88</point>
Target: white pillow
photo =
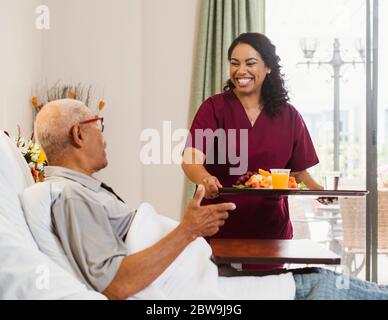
<point>10,208</point>
<point>21,263</point>
<point>15,176</point>
<point>13,169</point>
<point>28,274</point>
<point>36,201</point>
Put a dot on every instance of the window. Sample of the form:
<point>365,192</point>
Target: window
<point>332,101</point>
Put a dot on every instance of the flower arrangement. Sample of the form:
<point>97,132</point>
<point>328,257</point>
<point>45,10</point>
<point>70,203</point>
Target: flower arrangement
<point>64,91</point>
<point>383,175</point>
<point>33,154</point>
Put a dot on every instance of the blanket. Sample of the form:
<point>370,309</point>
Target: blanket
<point>193,275</point>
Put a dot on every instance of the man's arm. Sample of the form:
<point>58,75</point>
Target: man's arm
<point>139,270</point>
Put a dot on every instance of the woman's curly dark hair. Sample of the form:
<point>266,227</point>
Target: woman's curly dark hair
<point>273,91</point>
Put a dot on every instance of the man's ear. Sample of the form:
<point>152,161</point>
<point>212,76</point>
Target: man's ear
<point>77,136</point>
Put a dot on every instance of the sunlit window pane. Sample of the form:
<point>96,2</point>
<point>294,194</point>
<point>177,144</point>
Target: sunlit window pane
<point>321,44</point>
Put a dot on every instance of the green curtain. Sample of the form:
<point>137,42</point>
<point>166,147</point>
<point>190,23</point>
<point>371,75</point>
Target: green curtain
<point>220,21</point>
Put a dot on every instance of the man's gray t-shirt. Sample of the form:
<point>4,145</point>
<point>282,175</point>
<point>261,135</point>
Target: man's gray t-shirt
<point>91,224</point>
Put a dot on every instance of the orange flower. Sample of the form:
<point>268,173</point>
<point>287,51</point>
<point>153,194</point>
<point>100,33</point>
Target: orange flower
<point>35,101</point>
<point>71,95</point>
<point>101,105</point>
<point>35,174</point>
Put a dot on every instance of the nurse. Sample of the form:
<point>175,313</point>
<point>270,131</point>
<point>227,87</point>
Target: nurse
<point>254,102</point>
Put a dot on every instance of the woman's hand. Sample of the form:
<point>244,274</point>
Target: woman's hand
<point>313,185</point>
<point>327,200</point>
<point>211,185</point>
<point>193,166</point>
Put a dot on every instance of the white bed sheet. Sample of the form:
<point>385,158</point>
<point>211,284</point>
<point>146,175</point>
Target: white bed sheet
<point>28,274</point>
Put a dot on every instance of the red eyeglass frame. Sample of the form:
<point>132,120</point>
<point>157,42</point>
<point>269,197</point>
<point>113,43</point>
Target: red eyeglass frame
<point>92,120</point>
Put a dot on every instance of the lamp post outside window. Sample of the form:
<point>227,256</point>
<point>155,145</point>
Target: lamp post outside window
<point>309,47</point>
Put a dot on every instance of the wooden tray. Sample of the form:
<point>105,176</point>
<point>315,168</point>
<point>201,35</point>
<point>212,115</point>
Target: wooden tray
<point>293,192</point>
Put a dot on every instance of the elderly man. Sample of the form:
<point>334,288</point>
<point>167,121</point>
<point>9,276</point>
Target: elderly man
<point>92,222</point>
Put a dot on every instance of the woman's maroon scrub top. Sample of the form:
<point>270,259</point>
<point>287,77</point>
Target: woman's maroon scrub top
<point>282,141</point>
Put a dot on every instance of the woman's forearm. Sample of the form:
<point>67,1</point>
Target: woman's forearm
<point>195,172</point>
<point>307,179</point>
<point>193,167</point>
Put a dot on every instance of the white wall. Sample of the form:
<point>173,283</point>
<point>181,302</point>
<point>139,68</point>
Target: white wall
<point>20,63</point>
<point>99,42</point>
<point>139,53</point>
<point>169,38</point>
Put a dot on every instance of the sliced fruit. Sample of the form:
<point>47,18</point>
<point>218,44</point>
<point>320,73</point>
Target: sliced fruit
<point>250,181</point>
<point>264,173</point>
<point>266,182</point>
<point>292,184</point>
<point>256,185</point>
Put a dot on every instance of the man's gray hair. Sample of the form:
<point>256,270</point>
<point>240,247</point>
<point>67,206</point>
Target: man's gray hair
<point>54,122</point>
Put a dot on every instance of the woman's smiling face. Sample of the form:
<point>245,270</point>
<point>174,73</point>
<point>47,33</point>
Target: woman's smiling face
<point>247,69</point>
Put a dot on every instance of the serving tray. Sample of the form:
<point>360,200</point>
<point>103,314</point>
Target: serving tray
<point>293,192</point>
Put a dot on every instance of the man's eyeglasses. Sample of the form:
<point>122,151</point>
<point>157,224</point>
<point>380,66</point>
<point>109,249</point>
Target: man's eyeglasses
<point>99,119</point>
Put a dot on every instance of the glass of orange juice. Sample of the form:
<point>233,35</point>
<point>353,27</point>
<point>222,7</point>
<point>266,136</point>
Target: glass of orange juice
<point>280,178</point>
